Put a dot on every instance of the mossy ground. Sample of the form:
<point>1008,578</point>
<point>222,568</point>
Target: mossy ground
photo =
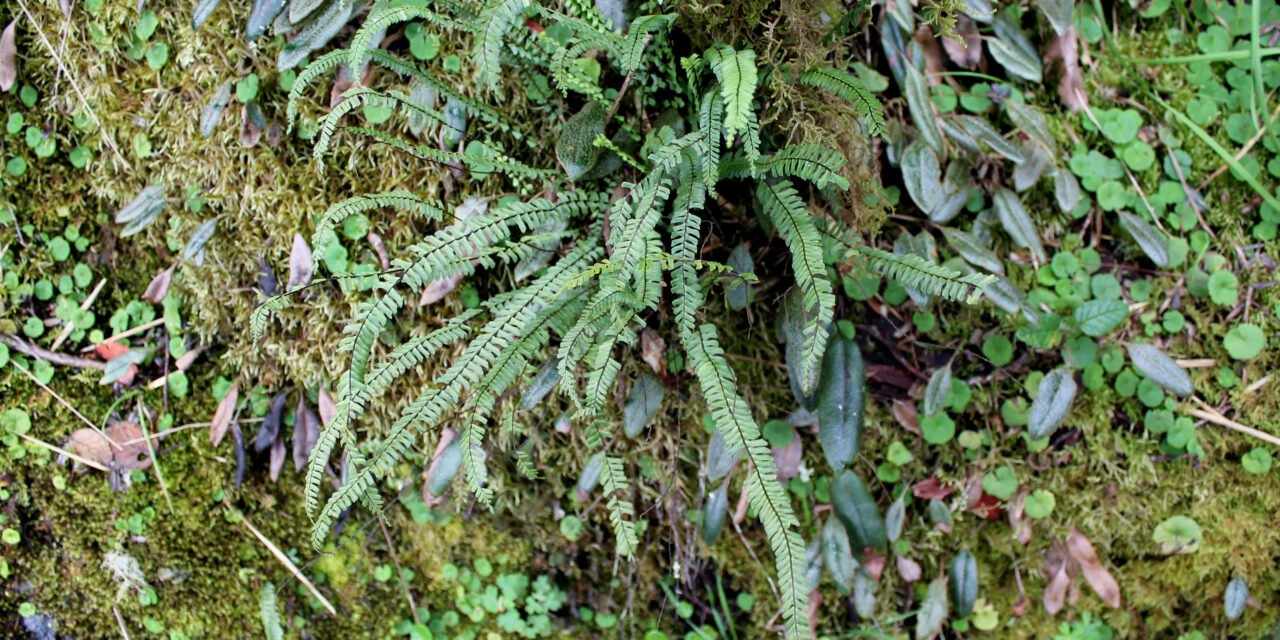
<point>1108,485</point>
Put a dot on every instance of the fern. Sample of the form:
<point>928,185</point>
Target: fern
<point>497,18</point>
<point>815,163</point>
<point>338,212</point>
<point>269,612</point>
<point>357,52</point>
<point>621,510</point>
<point>850,87</point>
<point>931,278</point>
<point>792,220</point>
<point>736,72</point>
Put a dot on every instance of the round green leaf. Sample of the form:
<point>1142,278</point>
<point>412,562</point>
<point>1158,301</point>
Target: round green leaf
<point>1244,341</point>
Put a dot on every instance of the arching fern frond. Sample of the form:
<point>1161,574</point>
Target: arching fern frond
<point>381,18</point>
<point>736,71</point>
<point>638,35</point>
<point>931,278</point>
<point>497,18</point>
<point>850,87</point>
<point>813,162</point>
<point>478,165</point>
<point>340,211</point>
<point>621,511</point>
<point>791,218</point>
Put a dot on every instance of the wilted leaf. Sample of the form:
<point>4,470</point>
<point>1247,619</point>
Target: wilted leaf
<point>1235,599</point>
<point>144,208</point>
<point>576,149</point>
<point>437,289</point>
<point>966,50</point>
<point>907,415</point>
<point>933,610</point>
<point>299,263</point>
<point>642,404</point>
<point>931,489</point>
<point>857,509</point>
<point>928,43</point>
<point>1063,47</point>
<point>922,175</point>
<point>1057,570</point>
<point>841,401</point>
<point>1153,242</point>
<point>9,56</point>
<point>963,583</point>
<point>271,423</point>
<point>1052,403</point>
<point>89,444</point>
<point>223,414</point>
<point>714,513</point>
<point>1098,317</point>
<point>1017,222</point>
<point>936,392</point>
<point>652,349</point>
<point>908,569</point>
<point>276,459</point>
<point>837,555</point>
<point>159,286</point>
<point>1097,575</point>
<point>1163,370</point>
<point>306,431</point>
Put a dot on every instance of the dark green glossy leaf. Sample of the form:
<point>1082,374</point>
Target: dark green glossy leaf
<point>963,583</point>
<point>857,509</point>
<point>576,149</point>
<point>837,555</point>
<point>841,401</point>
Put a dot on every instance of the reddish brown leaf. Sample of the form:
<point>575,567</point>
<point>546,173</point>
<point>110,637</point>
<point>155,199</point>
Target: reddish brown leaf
<point>1064,49</point>
<point>299,263</point>
<point>109,350</point>
<point>967,51</point>
<point>306,431</point>
<point>1057,569</point>
<point>223,414</point>
<point>932,54</point>
<point>1017,519</point>
<point>437,289</point>
<point>788,458</point>
<point>931,489</point>
<point>250,125</point>
<point>874,563</point>
<point>9,56</point>
<point>159,287</point>
<point>277,459</point>
<point>274,133</point>
<point>907,415</point>
<point>815,611</point>
<point>380,248</point>
<point>88,443</point>
<point>1094,572</point>
<point>132,445</point>
<point>908,569</point>
<point>327,406</point>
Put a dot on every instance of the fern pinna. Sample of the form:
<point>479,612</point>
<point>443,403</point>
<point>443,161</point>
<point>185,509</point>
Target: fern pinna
<point>611,254</point>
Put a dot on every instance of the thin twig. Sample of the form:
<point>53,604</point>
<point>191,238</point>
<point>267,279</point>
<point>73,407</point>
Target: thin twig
<point>68,406</point>
<point>413,608</point>
<point>63,359</point>
<point>1213,416</point>
<point>84,306</point>
<point>1243,150</point>
<point>74,85</point>
<point>123,631</point>
<point>288,564</point>
<point>125,334</point>
<point>625,83</point>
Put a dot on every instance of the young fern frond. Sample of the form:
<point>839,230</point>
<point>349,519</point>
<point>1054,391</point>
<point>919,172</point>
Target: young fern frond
<point>791,218</point>
<point>621,511</point>
<point>736,72</point>
<point>851,88</point>
<point>929,277</point>
<point>497,18</point>
<point>383,17</point>
<point>340,211</point>
<point>638,35</point>
<point>269,612</point>
<point>812,162</point>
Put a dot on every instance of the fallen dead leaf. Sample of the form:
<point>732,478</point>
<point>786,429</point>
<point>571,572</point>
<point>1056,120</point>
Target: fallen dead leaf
<point>326,405</point>
<point>1017,519</point>
<point>908,569</point>
<point>907,415</point>
<point>270,427</point>
<point>1064,49</point>
<point>159,287</point>
<point>874,563</point>
<point>9,56</point>
<point>274,133</point>
<point>109,350</point>
<point>132,445</point>
<point>1057,569</point>
<point>299,263</point>
<point>277,459</point>
<point>380,248</point>
<point>223,414</point>
<point>932,54</point>
<point>250,125</point>
<point>787,459</point>
<point>187,359</point>
<point>306,431</point>
<point>437,289</point>
<point>1103,583</point>
<point>815,608</point>
<point>967,50</point>
<point>88,443</point>
<point>931,489</point>
<point>652,349</point>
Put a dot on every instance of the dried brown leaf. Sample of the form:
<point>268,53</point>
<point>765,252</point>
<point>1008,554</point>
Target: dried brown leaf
<point>274,133</point>
<point>931,489</point>
<point>381,248</point>
<point>653,349</point>
<point>815,611</point>
<point>188,359</point>
<point>932,54</point>
<point>908,569</point>
<point>788,458</point>
<point>1103,583</point>
<point>9,56</point>
<point>874,563</point>
<point>306,431</point>
<point>159,287</point>
<point>1064,49</point>
<point>88,443</point>
<point>132,445</point>
<point>299,263</point>
<point>250,127</point>
<point>967,50</point>
<point>907,415</point>
<point>1017,518</point>
<point>223,414</point>
<point>326,405</point>
<point>109,350</point>
<point>437,289</point>
<point>277,459</point>
<point>1057,567</point>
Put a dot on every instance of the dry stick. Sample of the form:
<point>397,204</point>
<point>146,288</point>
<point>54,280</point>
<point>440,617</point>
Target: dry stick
<point>161,434</point>
<point>1243,150</point>
<point>288,564</point>
<point>84,461</point>
<point>74,85</point>
<point>1213,416</point>
<point>68,405</point>
<point>84,306</point>
<point>625,83</point>
<point>125,334</point>
<point>1191,198</point>
<point>32,350</point>
<point>124,632</point>
<point>413,608</point>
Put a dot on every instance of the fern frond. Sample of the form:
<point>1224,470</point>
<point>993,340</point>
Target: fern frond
<point>813,162</point>
<point>565,75</point>
<point>411,70</point>
<point>269,612</point>
<point>767,496</point>
<point>497,18</point>
<point>851,88</point>
<point>792,220</point>
<point>929,277</point>
<point>478,165</point>
<point>382,17</point>
<point>736,71</point>
<point>621,511</point>
<point>312,71</point>
<point>638,35</point>
<point>340,211</point>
